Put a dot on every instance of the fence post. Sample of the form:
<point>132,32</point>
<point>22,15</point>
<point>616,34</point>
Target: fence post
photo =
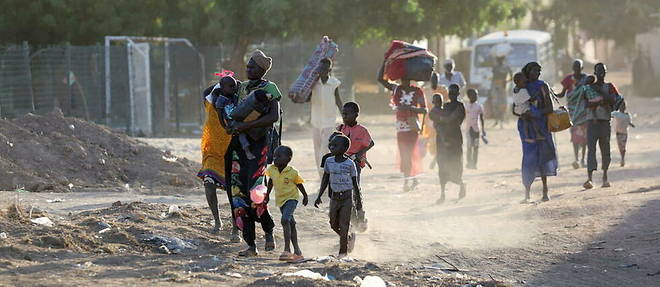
<point>166,88</point>
<point>28,70</point>
<point>67,56</point>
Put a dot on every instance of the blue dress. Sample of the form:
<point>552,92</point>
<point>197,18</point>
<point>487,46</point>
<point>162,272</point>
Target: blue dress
<point>539,157</point>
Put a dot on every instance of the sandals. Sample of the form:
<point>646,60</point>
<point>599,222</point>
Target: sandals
<point>295,258</point>
<point>286,256</point>
<point>250,252</point>
<point>588,185</point>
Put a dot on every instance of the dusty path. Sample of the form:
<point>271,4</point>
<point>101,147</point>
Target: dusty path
<point>602,237</point>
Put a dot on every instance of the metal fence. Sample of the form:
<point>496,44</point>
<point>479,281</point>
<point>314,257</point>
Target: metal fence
<point>73,79</point>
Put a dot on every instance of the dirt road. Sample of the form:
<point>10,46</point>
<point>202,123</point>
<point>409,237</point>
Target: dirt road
<point>600,237</point>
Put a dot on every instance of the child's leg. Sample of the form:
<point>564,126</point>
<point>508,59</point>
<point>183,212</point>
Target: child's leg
<point>344,223</point>
<point>212,199</point>
<point>526,128</point>
<point>287,222</point>
<point>333,215</point>
<point>294,238</point>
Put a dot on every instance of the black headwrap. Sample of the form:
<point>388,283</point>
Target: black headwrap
<point>527,68</point>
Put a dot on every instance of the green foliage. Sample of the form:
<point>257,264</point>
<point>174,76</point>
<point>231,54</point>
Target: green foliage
<point>212,21</point>
<point>618,20</point>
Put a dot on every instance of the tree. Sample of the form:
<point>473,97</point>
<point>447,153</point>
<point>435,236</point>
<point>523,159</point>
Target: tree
<point>242,22</point>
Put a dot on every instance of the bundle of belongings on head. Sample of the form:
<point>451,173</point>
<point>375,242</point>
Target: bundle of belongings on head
<point>301,89</point>
<point>405,61</point>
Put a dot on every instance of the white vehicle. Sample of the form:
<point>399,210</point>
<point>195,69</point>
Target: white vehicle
<point>525,46</point>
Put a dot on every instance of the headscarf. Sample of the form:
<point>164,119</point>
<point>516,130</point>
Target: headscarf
<point>532,86</point>
<point>528,68</point>
<point>262,60</point>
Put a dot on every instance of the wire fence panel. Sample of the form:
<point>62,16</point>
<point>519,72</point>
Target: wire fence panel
<point>73,79</point>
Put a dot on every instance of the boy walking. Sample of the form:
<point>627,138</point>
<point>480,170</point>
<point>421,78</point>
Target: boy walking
<point>622,120</point>
<point>475,123</point>
<point>341,174</point>
<point>287,182</point>
<point>361,142</point>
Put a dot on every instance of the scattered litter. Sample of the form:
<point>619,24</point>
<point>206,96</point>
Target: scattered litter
<point>70,185</point>
<point>571,226</point>
<point>20,190</point>
<point>45,221</point>
<point>84,265</point>
<point>172,244</point>
<point>174,210</point>
<point>10,144</point>
<point>618,250</point>
<point>104,230</point>
<point>347,259</point>
<point>370,281</point>
<point>653,274</point>
<point>308,274</point>
<point>72,127</point>
<point>169,158</point>
<point>232,274</point>
<point>103,225</point>
<point>628,265</point>
<point>442,267</point>
<point>324,259</point>
<point>56,200</point>
<point>3,235</point>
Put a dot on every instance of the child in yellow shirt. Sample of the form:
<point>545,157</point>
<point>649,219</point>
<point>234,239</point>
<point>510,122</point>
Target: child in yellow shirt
<point>287,182</point>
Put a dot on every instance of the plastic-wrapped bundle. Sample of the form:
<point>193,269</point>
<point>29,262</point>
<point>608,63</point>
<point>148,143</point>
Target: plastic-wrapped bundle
<point>403,60</point>
<point>301,89</point>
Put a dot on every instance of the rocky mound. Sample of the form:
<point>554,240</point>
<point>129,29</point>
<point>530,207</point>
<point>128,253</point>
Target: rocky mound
<point>57,153</point>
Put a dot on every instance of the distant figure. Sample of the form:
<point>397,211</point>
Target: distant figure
<point>475,123</point>
<point>450,76</point>
<point>497,97</point>
<point>408,102</point>
<point>340,174</point>
<point>447,119</point>
<point>579,129</point>
<point>325,105</point>
<point>288,185</point>
<point>599,113</point>
<point>539,157</point>
<point>622,120</point>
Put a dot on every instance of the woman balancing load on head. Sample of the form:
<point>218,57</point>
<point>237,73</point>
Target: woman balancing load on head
<point>246,174</point>
<point>539,156</point>
<point>409,102</point>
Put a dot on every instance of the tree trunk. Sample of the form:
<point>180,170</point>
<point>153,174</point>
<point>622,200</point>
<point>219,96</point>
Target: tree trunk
<point>236,62</point>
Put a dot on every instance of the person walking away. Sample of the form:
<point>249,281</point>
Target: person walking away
<point>475,123</point>
<point>325,104</point>
<point>408,102</point>
<point>622,120</point>
<point>539,157</point>
<point>599,113</point>
<point>341,174</point>
<point>447,122</point>
<point>570,83</point>
<point>288,185</point>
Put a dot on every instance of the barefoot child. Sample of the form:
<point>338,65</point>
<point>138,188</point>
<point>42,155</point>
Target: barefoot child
<point>341,174</point>
<point>622,120</point>
<point>361,142</point>
<point>287,182</point>
<point>521,105</point>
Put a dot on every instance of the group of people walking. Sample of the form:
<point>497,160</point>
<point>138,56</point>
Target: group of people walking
<point>239,141</point>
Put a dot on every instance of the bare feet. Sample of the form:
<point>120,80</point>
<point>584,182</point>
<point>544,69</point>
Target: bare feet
<point>606,184</point>
<point>588,185</point>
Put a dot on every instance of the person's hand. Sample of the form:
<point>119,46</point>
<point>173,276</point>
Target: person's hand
<point>305,200</point>
<point>317,202</point>
<point>238,127</point>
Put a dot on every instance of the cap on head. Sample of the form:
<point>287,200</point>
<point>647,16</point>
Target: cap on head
<point>262,60</point>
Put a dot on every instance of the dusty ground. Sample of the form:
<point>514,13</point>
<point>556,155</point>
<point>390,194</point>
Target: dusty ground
<point>601,237</point>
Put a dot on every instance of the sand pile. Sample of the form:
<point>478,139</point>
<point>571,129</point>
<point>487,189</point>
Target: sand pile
<point>56,153</point>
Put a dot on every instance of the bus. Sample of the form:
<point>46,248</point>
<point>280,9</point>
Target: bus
<point>526,46</point>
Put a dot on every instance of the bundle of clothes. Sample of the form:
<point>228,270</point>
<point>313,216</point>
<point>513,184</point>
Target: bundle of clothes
<point>405,61</point>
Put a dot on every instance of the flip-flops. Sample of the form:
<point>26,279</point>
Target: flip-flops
<point>286,256</point>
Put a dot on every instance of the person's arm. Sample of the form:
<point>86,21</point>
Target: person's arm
<point>462,82</point>
<point>207,91</point>
<point>434,114</point>
<point>360,154</point>
<point>324,184</point>
<point>270,188</point>
<point>358,196</point>
<point>301,187</point>
<point>338,100</point>
<point>483,127</point>
<point>381,79</point>
<point>265,121</point>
